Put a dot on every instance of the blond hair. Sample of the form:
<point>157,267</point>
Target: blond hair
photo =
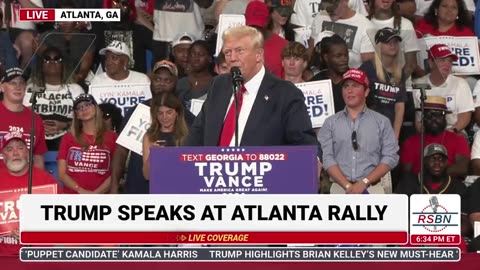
<point>396,78</point>
<point>244,31</point>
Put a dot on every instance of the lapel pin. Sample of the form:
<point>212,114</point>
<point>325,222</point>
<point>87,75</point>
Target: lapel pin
<point>266,97</point>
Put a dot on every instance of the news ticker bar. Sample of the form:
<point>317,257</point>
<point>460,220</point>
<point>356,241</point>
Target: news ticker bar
<point>247,254</point>
<point>214,237</point>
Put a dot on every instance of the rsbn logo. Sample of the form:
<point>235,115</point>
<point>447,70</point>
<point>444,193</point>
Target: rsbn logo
<point>434,217</point>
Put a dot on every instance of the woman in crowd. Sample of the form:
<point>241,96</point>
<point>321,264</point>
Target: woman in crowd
<point>294,61</point>
<point>196,84</point>
<point>386,13</point>
<point>55,104</point>
<point>85,154</point>
<point>445,18</point>
<point>387,80</point>
<point>168,126</point>
<point>117,59</point>
<point>180,48</point>
<point>279,21</point>
<point>78,49</point>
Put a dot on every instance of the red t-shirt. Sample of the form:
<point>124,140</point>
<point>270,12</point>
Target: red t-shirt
<point>273,54</point>
<point>21,122</point>
<point>9,246</point>
<point>425,28</point>
<point>456,145</point>
<point>90,167</point>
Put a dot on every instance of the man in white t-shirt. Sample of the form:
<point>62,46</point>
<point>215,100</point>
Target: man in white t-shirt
<point>454,89</point>
<point>348,24</point>
<point>21,32</point>
<point>305,10</point>
<point>171,17</point>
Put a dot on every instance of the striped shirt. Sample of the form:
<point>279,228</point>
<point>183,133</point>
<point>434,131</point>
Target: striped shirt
<point>375,138</point>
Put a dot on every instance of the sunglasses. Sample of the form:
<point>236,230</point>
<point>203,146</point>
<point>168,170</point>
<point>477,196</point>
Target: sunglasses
<point>354,140</point>
<point>433,114</point>
<point>55,59</point>
<point>83,106</point>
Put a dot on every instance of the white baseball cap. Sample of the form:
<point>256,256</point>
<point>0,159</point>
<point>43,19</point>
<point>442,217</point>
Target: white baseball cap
<point>321,36</point>
<point>183,38</point>
<point>117,47</point>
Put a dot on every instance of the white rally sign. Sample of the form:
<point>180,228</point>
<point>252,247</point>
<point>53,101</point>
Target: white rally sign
<point>124,96</point>
<point>319,100</point>
<point>132,135</point>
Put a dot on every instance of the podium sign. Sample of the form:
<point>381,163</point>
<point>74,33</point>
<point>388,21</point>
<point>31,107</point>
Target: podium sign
<point>243,170</point>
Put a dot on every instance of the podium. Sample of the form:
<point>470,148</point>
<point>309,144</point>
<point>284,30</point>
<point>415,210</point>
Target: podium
<point>230,170</point>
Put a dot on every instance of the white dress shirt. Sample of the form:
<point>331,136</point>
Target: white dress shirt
<point>249,96</point>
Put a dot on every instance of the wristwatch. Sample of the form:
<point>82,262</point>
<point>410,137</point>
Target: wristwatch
<point>366,181</point>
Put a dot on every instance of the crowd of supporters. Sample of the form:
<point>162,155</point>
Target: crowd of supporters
<point>373,51</point>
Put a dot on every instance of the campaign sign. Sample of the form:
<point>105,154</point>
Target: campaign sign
<point>229,170</point>
<point>225,22</point>
<point>9,208</point>
<point>133,132</point>
<point>319,100</point>
<point>466,48</point>
<point>435,219</point>
<point>124,96</point>
<point>302,34</point>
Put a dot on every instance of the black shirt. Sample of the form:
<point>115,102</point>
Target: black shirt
<point>383,95</point>
<point>338,101</point>
<point>410,184</point>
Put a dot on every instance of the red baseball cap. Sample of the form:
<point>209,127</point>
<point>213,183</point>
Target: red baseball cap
<point>14,135</point>
<point>257,14</point>
<point>438,51</point>
<point>356,75</point>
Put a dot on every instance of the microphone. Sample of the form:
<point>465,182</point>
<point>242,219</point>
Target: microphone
<point>237,78</point>
<point>434,203</point>
<point>38,90</point>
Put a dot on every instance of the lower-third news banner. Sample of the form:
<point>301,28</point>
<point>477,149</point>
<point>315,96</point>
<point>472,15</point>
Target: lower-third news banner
<point>243,254</point>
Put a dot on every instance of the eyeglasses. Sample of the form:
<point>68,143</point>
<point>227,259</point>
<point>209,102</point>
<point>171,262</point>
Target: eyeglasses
<point>433,114</point>
<point>354,140</point>
<point>84,106</point>
<point>55,59</point>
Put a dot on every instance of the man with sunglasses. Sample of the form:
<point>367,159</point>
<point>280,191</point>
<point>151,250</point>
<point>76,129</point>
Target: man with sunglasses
<point>435,124</point>
<point>15,117</point>
<point>359,145</point>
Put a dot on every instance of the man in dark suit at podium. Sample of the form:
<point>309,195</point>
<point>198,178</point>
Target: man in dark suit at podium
<point>271,111</point>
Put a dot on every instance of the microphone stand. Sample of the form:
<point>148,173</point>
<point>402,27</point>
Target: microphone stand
<point>236,88</point>
<point>33,101</point>
<point>423,97</point>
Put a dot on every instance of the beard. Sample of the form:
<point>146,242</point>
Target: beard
<point>435,130</point>
<point>16,165</point>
